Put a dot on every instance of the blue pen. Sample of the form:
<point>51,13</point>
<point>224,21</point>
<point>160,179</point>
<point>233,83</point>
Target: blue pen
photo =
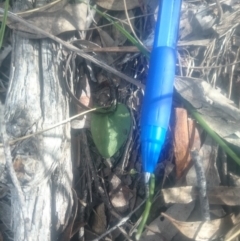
<point>157,101</point>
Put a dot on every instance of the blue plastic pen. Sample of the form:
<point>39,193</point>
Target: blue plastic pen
<point>157,101</point>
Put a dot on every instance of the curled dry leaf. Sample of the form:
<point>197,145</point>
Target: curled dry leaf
<point>117,5</point>
<point>202,231</point>
<point>216,195</point>
<point>186,137</point>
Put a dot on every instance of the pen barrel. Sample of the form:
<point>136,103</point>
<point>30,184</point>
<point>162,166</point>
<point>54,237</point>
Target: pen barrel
<point>166,30</point>
<point>157,104</point>
<point>157,101</point>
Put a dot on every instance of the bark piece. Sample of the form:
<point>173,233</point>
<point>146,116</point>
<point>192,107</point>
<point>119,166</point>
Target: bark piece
<point>36,100</point>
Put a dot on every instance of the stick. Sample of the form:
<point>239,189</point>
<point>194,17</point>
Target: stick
<point>202,184</point>
<point>74,49</point>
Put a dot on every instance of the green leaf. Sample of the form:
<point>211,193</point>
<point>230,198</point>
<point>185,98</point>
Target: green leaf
<point>110,130</point>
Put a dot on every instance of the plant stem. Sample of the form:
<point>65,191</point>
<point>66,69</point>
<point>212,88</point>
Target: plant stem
<point>147,207</point>
<point>3,26</point>
<point>212,133</point>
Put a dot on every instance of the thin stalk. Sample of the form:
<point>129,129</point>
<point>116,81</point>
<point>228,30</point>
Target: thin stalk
<point>212,133</point>
<point>147,207</point>
<point>3,26</point>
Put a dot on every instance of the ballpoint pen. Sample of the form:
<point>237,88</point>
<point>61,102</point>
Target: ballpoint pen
<point>157,101</point>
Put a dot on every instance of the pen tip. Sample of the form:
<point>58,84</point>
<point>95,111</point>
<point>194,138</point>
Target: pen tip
<point>150,155</point>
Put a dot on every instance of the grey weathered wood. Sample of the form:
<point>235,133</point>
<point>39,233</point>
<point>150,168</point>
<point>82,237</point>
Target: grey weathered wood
<point>36,99</point>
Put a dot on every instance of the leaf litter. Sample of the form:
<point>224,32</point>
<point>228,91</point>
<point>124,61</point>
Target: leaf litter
<point>109,180</point>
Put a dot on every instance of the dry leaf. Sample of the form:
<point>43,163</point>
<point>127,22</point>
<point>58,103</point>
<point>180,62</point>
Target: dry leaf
<point>202,231</point>
<point>85,98</point>
<point>120,195</point>
<point>161,227</point>
<point>117,5</point>
<point>106,39</point>
<point>216,195</point>
<point>234,180</point>
<point>99,219</point>
<point>233,233</point>
<point>71,17</point>
<point>218,111</point>
<point>186,137</point>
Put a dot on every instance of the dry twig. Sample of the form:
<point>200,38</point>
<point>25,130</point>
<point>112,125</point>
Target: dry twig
<point>74,49</point>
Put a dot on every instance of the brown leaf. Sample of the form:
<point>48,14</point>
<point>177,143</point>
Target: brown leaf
<point>120,194</point>
<point>233,233</point>
<point>202,231</point>
<point>106,39</point>
<point>186,137</point>
<point>99,220</point>
<point>216,195</point>
<point>117,5</point>
<point>161,229</point>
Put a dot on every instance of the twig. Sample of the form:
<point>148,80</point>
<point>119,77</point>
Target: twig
<point>49,128</point>
<point>211,67</point>
<point>75,49</point>
<point>231,75</point>
<point>223,159</point>
<point>117,20</point>
<point>39,9</point>
<point>202,184</point>
<point>119,224</point>
<point>125,156</point>
<point>130,24</point>
<point>220,11</point>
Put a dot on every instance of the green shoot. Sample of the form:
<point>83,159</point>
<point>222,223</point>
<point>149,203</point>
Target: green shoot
<point>147,207</point>
<point>3,25</point>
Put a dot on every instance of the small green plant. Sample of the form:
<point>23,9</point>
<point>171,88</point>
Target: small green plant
<point>110,130</point>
